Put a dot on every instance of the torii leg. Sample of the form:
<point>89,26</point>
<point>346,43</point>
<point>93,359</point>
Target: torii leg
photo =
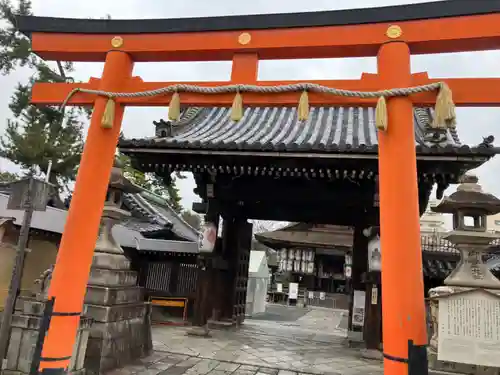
<point>71,272</point>
<point>403,306</point>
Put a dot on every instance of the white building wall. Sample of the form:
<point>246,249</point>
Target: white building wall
<point>493,223</point>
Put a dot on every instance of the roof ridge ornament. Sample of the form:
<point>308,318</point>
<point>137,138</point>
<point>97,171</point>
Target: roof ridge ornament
<point>445,116</point>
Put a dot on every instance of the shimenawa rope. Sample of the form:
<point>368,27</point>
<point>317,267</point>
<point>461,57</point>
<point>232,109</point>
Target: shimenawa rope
<point>444,116</point>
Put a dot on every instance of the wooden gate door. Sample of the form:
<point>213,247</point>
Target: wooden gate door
<point>244,241</point>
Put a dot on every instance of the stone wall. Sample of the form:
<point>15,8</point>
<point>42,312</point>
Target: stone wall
<point>26,323</point>
<point>42,256</point>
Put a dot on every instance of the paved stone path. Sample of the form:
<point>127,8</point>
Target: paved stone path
<point>309,345</point>
<point>179,364</point>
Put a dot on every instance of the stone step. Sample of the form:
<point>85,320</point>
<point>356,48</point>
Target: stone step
<point>109,277</point>
<point>110,261</point>
<point>105,295</point>
<point>221,324</point>
<point>116,313</point>
<point>114,330</point>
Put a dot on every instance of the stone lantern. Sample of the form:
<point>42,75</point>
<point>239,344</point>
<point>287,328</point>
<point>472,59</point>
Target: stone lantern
<point>470,206</point>
<point>121,329</point>
<point>112,214</point>
<point>465,312</point>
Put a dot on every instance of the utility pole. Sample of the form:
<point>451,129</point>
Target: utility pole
<point>15,281</point>
<point>31,195</point>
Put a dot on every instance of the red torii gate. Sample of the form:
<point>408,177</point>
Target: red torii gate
<point>390,33</point>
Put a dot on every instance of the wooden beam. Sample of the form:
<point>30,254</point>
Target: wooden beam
<point>453,34</point>
<point>467,92</point>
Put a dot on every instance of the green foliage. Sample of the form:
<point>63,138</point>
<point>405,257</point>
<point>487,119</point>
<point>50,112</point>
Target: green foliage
<point>15,49</point>
<point>37,135</point>
<point>8,177</point>
<point>153,183</point>
<point>192,219</point>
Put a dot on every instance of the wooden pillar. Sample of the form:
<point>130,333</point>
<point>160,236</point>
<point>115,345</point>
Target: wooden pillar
<point>373,307</point>
<point>205,281</point>
<point>69,283</point>
<point>359,266</point>
<point>403,293</point>
<point>373,303</point>
<point>230,253</point>
<point>243,246</point>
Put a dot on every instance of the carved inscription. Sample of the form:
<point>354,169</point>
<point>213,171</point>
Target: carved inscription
<point>469,329</point>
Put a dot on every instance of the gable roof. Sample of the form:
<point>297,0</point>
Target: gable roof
<point>303,234</point>
<point>331,129</point>
<point>158,215</point>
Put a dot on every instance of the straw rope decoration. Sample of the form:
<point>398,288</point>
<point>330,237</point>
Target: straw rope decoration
<point>444,111</point>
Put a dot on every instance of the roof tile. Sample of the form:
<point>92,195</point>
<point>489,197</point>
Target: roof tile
<point>332,129</point>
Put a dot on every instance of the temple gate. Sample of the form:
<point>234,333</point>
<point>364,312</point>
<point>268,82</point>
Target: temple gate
<point>390,33</point>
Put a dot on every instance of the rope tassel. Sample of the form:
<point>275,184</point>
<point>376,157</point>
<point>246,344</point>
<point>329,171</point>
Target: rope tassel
<point>381,114</point>
<point>237,108</point>
<point>108,117</point>
<point>444,112</point>
<point>174,107</point>
<point>303,108</point>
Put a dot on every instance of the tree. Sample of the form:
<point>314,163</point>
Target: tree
<point>152,182</point>
<point>8,177</point>
<point>192,219</point>
<point>37,135</point>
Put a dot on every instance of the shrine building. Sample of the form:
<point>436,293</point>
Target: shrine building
<point>271,166</point>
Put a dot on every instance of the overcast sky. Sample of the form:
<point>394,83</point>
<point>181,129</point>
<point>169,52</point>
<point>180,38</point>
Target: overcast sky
<point>473,124</point>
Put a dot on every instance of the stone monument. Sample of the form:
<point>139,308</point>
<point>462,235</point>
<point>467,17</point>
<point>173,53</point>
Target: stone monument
<point>121,329</point>
<point>465,312</point>
<point>27,322</point>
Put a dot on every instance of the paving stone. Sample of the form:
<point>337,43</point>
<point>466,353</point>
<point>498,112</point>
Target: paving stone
<point>203,367</point>
<point>227,366</point>
<point>174,370</point>
<point>270,371</point>
<point>149,371</point>
<point>308,345</point>
<point>159,366</point>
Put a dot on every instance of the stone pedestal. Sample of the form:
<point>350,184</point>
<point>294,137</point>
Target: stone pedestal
<point>121,329</point>
<point>465,313</point>
<point>25,328</point>
<point>466,296</point>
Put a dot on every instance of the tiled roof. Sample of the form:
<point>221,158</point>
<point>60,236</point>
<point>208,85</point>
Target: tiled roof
<point>435,244</point>
<point>332,129</point>
<point>143,226</point>
<point>159,216</point>
<point>437,268</point>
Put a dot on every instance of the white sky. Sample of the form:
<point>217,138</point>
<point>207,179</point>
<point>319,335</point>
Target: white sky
<point>473,123</point>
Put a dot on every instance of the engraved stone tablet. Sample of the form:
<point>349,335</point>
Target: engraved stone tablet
<point>469,328</point>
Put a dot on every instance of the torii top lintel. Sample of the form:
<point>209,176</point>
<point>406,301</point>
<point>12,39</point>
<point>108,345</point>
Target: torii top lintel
<point>442,26</point>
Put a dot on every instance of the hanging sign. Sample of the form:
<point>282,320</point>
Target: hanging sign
<point>347,271</point>
<point>374,294</point>
<point>279,288</point>
<point>293,291</point>
<point>358,308</point>
<point>208,236</point>
<point>374,254</point>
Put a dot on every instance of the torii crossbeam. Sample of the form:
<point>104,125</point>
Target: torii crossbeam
<point>390,33</point>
